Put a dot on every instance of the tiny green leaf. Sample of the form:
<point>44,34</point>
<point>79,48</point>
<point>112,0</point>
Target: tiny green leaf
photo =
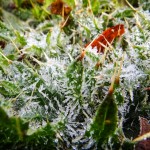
<point>126,13</point>
<point>11,128</point>
<point>105,121</point>
<point>20,39</point>
<point>48,41</point>
<point>8,88</point>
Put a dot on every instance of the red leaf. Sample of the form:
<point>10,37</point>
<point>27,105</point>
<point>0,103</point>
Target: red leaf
<point>58,7</point>
<point>107,37</point>
<point>144,128</point>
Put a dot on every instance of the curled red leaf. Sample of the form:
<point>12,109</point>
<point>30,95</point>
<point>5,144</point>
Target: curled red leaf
<point>107,37</point>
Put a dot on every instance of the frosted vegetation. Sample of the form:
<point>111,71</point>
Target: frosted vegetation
<point>50,98</point>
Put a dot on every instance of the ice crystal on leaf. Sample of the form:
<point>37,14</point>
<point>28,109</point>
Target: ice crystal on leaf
<point>38,40</point>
